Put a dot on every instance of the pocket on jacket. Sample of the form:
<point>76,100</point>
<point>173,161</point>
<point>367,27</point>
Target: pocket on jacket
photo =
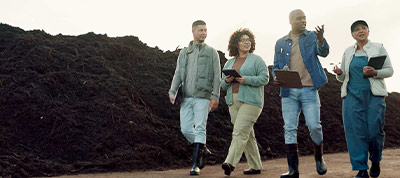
<point>382,83</point>
<point>202,70</point>
<point>204,84</point>
<point>204,59</point>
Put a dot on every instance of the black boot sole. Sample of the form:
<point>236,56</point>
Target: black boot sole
<point>227,169</point>
<point>204,159</point>
<point>321,171</point>
<point>294,175</point>
<point>374,174</point>
<point>194,173</point>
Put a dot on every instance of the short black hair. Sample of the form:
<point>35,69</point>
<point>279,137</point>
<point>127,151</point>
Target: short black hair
<point>198,22</point>
<point>353,26</point>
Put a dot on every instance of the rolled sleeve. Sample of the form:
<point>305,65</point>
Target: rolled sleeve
<point>323,50</point>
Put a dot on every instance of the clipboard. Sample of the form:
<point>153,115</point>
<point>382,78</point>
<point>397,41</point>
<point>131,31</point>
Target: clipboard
<point>376,62</point>
<point>291,78</point>
<point>178,94</point>
<point>231,72</point>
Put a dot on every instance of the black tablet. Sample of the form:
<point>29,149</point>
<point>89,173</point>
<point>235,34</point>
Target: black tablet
<point>377,62</point>
<point>231,72</point>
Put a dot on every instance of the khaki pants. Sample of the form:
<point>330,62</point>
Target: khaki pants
<point>243,117</point>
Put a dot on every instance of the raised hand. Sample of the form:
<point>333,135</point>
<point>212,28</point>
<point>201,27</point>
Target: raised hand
<point>319,31</point>
<point>337,70</point>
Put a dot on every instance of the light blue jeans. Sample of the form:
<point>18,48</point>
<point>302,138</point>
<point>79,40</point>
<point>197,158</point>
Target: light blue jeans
<point>193,118</point>
<point>307,100</point>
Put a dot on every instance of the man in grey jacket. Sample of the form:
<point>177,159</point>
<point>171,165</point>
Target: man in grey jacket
<point>199,73</point>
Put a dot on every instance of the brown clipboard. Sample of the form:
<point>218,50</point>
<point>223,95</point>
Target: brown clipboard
<point>291,79</point>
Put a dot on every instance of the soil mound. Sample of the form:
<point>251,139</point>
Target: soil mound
<point>91,103</point>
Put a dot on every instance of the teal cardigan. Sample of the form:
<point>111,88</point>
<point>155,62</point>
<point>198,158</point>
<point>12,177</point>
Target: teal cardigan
<point>256,76</point>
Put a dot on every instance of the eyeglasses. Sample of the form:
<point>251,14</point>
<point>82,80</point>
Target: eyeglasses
<point>245,40</point>
<point>360,28</point>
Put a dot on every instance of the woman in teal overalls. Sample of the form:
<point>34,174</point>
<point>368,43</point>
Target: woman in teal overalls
<point>363,93</point>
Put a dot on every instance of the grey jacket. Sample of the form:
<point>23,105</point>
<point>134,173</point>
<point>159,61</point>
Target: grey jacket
<point>208,72</point>
<point>378,87</point>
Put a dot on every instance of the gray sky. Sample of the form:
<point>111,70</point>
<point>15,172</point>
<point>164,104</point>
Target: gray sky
<point>167,23</point>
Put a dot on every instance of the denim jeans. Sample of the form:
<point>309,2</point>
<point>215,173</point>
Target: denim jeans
<point>193,118</point>
<point>307,100</point>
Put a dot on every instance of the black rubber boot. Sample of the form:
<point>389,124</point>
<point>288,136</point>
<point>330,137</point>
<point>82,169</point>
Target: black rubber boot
<point>196,156</point>
<point>293,161</point>
<point>205,153</point>
<point>375,170</point>
<point>319,160</point>
<point>362,174</point>
<point>228,168</point>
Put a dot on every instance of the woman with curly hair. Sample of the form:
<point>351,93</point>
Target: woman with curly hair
<point>245,98</point>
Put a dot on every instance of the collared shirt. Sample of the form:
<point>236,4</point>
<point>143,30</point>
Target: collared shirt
<point>191,71</point>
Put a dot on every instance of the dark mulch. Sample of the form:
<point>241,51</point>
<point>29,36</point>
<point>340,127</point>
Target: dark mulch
<point>91,103</point>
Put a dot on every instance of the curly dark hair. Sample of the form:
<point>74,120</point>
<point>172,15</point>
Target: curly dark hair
<point>233,47</point>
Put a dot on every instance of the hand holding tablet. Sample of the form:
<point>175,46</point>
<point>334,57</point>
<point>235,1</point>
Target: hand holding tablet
<point>376,62</point>
<point>231,72</point>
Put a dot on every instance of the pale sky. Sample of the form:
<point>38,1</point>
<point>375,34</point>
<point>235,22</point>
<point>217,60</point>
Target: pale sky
<point>167,23</point>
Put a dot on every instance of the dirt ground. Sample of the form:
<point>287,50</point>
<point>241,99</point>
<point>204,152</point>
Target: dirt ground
<point>338,167</point>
